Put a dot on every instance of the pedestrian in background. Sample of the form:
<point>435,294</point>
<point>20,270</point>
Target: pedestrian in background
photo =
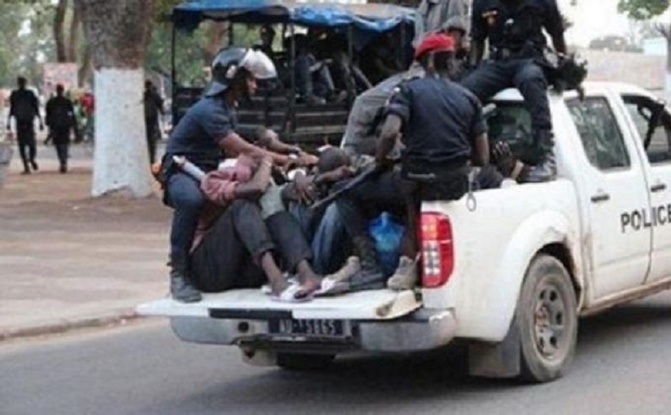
<point>153,106</point>
<point>60,119</point>
<point>24,107</point>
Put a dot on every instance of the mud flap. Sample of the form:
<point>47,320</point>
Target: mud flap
<point>496,360</point>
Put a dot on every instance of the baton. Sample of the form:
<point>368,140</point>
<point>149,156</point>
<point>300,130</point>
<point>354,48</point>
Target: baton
<point>189,168</point>
<point>369,172</point>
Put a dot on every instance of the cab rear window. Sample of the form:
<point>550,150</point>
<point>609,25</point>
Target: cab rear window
<point>511,123</point>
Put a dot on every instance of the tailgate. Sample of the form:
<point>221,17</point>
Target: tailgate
<point>365,305</point>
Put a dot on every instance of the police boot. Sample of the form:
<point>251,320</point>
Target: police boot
<point>370,276</point>
<point>181,288</point>
<point>543,171</point>
<point>546,169</point>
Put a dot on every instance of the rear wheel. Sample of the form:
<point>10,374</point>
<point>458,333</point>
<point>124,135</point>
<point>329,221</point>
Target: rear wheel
<point>304,362</point>
<point>547,320</point>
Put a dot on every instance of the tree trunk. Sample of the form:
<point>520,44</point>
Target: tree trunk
<point>73,40</point>
<point>59,19</point>
<point>216,33</point>
<point>86,69</point>
<point>118,32</point>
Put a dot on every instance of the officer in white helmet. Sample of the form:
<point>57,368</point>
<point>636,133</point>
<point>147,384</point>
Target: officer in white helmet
<point>205,135</point>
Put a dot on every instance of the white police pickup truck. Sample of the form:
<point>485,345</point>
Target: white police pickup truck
<point>510,274</point>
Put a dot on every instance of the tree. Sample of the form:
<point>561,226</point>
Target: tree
<point>646,10</point>
<point>118,32</point>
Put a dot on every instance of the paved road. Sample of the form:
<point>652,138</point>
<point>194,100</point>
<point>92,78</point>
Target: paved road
<point>623,366</point>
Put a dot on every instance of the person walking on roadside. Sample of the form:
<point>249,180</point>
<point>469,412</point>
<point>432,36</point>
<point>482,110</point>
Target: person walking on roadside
<point>60,119</point>
<point>153,106</point>
<point>24,107</point>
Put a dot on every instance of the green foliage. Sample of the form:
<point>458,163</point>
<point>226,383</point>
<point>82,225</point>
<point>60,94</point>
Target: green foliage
<point>188,61</point>
<point>25,39</point>
<point>642,9</point>
<point>191,57</point>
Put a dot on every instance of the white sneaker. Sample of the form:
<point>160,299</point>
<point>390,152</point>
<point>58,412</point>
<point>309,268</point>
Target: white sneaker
<point>405,277</point>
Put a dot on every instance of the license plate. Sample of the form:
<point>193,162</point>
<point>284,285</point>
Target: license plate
<point>310,328</point>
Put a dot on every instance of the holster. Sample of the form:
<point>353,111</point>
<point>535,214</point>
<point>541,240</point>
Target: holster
<point>162,172</point>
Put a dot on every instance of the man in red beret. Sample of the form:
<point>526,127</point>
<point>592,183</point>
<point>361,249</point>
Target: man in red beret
<point>441,126</point>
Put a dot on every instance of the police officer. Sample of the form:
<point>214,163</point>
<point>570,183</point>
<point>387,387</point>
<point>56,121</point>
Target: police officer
<point>443,131</point>
<point>514,29</point>
<point>205,130</point>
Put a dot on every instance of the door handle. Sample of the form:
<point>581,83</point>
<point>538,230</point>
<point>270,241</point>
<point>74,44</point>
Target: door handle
<point>658,187</point>
<point>601,196</point>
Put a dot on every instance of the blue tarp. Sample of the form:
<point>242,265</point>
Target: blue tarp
<point>364,17</point>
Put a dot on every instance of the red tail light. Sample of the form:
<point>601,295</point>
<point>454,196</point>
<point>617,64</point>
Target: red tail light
<point>437,249</point>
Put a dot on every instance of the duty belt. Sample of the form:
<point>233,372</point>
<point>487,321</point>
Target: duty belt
<point>507,53</point>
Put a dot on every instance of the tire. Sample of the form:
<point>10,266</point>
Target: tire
<point>304,362</point>
<point>547,320</point>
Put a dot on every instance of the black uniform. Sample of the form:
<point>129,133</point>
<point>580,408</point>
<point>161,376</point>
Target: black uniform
<point>440,121</point>
<point>197,136</point>
<point>60,119</point>
<point>24,108</point>
<point>515,33</point>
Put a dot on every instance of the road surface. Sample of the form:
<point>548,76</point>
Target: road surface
<point>623,366</point>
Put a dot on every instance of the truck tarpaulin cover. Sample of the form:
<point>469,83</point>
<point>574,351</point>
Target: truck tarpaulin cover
<point>363,17</point>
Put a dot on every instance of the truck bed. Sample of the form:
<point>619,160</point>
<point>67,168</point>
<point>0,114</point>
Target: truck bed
<point>365,305</point>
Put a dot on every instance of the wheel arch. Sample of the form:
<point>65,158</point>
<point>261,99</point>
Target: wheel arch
<point>547,232</point>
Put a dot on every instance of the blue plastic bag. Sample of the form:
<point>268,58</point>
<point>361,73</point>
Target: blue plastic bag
<point>386,234</point>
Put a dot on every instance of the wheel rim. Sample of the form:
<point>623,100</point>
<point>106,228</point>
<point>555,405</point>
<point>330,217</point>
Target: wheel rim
<point>550,325</point>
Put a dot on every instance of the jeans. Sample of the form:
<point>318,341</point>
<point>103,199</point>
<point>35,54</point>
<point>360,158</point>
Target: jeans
<point>308,84</point>
<point>494,76</point>
<point>185,197</point>
<point>326,231</point>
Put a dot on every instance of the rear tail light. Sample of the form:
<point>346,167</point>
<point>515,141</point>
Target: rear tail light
<point>437,249</point>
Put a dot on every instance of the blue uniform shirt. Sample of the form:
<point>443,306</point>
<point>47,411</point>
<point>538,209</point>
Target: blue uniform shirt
<point>518,28</point>
<point>199,133</point>
<point>440,120</point>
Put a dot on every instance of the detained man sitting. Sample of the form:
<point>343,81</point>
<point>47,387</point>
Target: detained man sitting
<point>234,247</point>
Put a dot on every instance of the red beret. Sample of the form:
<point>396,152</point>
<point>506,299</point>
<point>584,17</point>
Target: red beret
<point>435,42</point>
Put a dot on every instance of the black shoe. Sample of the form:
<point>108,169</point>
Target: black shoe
<point>182,290</point>
<point>34,165</point>
<point>63,169</point>
<point>26,171</point>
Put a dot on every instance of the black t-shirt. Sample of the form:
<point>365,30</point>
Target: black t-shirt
<point>198,134</point>
<point>23,105</point>
<point>60,112</point>
<point>518,28</point>
<point>440,120</point>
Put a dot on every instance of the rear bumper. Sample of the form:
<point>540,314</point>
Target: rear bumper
<point>421,330</point>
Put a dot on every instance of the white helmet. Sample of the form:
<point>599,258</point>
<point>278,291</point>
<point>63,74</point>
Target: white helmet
<point>226,66</point>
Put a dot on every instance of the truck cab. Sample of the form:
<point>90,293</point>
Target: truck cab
<point>509,271</point>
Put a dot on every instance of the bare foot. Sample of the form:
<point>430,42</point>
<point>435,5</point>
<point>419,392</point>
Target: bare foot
<point>280,286</point>
<point>310,283</point>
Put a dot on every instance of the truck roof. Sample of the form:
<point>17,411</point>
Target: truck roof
<point>512,94</point>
